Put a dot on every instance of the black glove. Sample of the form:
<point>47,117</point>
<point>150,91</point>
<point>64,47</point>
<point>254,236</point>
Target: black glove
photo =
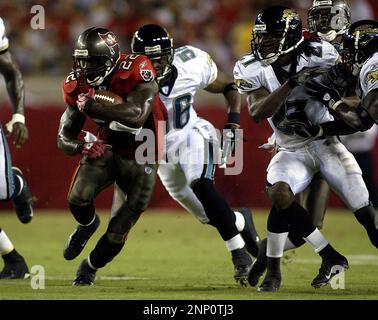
<point>300,124</point>
<point>300,78</point>
<point>340,76</point>
<point>230,135</point>
<point>306,129</point>
<point>329,96</point>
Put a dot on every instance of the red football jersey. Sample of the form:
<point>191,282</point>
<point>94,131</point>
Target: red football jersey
<point>130,70</point>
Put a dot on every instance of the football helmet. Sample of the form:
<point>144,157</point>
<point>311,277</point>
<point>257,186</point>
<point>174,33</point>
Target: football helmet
<point>329,18</point>
<point>360,42</point>
<point>156,43</point>
<point>277,31</point>
<point>96,54</point>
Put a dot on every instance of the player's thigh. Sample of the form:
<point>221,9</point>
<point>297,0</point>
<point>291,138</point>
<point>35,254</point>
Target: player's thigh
<point>343,174</point>
<point>138,181</point>
<point>292,168</point>
<point>91,177</point>
<point>198,156</point>
<point>6,175</point>
<point>174,180</point>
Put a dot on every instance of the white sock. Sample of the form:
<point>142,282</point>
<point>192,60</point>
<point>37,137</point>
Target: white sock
<point>6,245</point>
<point>234,243</point>
<point>289,245</point>
<point>276,244</point>
<point>317,240</point>
<point>239,221</point>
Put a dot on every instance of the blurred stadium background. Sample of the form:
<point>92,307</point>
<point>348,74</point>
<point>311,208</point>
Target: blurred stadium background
<point>221,27</point>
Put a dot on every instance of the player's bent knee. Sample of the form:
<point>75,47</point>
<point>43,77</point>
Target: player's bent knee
<point>81,194</point>
<point>281,195</point>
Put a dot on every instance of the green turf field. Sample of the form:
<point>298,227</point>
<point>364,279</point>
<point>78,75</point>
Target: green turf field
<point>169,255</point>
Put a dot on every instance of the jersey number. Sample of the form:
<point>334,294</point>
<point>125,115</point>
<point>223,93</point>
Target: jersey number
<point>185,54</point>
<point>181,108</point>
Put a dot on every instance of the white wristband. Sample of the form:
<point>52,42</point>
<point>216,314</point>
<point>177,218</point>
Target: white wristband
<point>336,104</point>
<point>17,117</point>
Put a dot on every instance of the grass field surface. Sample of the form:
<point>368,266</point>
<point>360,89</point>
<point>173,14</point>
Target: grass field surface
<point>171,256</point>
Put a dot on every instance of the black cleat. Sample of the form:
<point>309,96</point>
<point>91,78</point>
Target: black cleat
<point>77,240</point>
<point>249,233</point>
<point>259,266</point>
<point>15,270</point>
<point>23,203</point>
<point>242,263</point>
<point>271,283</point>
<point>85,275</point>
<point>330,267</point>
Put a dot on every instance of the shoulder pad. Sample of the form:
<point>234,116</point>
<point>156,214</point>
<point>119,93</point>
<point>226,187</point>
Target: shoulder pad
<point>137,66</point>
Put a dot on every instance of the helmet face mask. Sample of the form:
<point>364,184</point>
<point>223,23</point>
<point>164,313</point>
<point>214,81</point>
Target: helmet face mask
<point>360,42</point>
<point>93,69</point>
<point>96,54</point>
<point>155,42</point>
<point>277,31</point>
<point>329,18</point>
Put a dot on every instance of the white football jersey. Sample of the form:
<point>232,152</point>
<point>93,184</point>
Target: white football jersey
<point>251,74</point>
<point>195,71</point>
<point>368,76</point>
<point>4,43</point>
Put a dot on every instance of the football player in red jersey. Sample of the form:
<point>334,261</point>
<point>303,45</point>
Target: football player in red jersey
<point>110,157</point>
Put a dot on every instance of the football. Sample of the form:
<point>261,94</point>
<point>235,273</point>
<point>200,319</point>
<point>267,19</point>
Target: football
<point>107,97</point>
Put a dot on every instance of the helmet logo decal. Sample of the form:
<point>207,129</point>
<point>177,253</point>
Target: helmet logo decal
<point>110,40</point>
<point>289,13</point>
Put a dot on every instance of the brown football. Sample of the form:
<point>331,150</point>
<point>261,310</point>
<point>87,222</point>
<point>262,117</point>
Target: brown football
<point>107,98</point>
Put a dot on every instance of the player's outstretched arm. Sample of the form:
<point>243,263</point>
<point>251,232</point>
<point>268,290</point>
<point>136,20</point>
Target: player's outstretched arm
<point>70,125</point>
<point>16,92</point>
<point>225,84</point>
<point>134,112</point>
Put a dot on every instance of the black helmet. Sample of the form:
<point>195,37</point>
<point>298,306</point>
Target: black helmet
<point>156,43</point>
<point>277,31</point>
<point>96,54</point>
<point>360,42</point>
<point>329,18</point>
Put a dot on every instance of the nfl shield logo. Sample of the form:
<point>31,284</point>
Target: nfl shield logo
<point>147,75</point>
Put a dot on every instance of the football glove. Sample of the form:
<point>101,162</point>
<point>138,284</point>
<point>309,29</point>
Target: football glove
<point>83,99</point>
<point>301,77</point>
<point>329,96</point>
<point>94,150</point>
<point>340,77</point>
<point>307,129</point>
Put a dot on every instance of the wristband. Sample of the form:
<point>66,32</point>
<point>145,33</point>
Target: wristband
<point>17,117</point>
<point>336,104</point>
<point>234,117</point>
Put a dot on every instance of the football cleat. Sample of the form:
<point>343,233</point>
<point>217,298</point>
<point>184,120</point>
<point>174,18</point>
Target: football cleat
<point>249,233</point>
<point>78,239</point>
<point>85,275</point>
<point>259,267</point>
<point>242,264</point>
<point>271,283</point>
<point>15,270</point>
<point>330,267</point>
<point>23,203</point>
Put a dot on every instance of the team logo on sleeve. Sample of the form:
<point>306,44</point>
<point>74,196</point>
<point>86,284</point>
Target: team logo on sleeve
<point>243,85</point>
<point>372,76</point>
<point>147,75</point>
